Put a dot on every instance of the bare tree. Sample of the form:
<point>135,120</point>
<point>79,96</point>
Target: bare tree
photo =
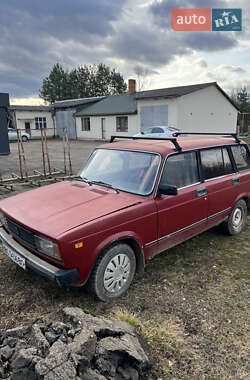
<point>142,80</point>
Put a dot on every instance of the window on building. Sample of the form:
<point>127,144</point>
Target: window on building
<point>85,124</point>
<point>241,157</point>
<point>122,124</point>
<point>40,122</point>
<point>181,170</point>
<point>215,163</point>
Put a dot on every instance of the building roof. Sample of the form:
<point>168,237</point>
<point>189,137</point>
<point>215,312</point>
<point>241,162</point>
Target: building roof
<point>126,103</point>
<point>122,104</point>
<point>171,92</point>
<point>174,92</point>
<point>76,102</point>
<point>30,108</point>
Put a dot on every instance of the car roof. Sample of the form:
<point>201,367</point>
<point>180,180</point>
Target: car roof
<point>165,147</point>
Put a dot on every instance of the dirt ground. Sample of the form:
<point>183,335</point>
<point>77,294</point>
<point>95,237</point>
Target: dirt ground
<point>192,305</point>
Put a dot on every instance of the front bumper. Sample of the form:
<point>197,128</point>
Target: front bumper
<point>61,276</point>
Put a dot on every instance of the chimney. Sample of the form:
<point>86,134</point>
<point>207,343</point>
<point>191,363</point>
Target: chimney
<point>131,86</point>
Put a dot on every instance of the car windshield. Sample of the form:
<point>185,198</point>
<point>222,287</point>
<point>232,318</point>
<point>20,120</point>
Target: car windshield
<point>130,171</point>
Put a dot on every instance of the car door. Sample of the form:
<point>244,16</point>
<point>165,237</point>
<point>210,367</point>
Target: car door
<point>218,175</point>
<point>241,180</point>
<point>185,214</point>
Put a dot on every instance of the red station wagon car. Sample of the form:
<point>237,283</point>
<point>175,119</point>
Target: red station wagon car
<point>132,199</point>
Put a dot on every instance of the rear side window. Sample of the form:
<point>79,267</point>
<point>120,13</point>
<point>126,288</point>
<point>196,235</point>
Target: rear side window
<point>180,170</point>
<point>215,163</point>
<point>157,130</point>
<point>241,157</point>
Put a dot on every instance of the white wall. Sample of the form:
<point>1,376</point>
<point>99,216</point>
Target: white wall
<point>29,116</point>
<point>110,127</point>
<point>206,110</point>
<point>172,109</point>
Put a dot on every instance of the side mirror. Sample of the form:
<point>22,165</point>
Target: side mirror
<point>142,132</point>
<point>167,189</point>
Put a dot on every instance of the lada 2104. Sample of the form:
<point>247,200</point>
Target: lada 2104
<point>132,199</point>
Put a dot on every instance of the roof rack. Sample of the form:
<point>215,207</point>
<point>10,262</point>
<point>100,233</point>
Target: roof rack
<point>173,140</point>
<point>234,135</point>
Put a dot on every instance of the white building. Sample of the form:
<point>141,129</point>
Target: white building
<point>63,112</point>
<point>197,108</point>
<point>32,119</point>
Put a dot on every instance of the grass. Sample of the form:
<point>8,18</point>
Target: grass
<point>192,306</point>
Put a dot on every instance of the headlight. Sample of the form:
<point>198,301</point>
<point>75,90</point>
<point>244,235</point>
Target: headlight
<point>47,247</point>
<point>3,220</point>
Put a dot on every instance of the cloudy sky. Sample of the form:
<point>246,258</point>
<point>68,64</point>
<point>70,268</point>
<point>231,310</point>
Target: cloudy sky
<point>124,34</point>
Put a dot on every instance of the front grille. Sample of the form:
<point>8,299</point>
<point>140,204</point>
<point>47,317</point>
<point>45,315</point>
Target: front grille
<point>21,233</point>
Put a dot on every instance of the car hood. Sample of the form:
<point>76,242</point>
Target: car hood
<point>52,210</point>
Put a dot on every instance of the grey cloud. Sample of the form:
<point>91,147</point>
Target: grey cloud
<point>139,43</point>
<point>33,36</point>
<point>201,63</point>
<point>62,18</point>
<point>232,69</point>
<point>209,41</point>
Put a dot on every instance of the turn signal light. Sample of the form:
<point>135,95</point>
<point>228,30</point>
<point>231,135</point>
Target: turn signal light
<point>79,245</point>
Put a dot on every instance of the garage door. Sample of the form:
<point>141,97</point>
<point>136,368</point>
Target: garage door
<point>65,119</point>
<point>153,115</point>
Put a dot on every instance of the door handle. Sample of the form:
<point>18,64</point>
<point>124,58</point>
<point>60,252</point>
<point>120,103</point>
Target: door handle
<point>201,192</point>
<point>235,181</point>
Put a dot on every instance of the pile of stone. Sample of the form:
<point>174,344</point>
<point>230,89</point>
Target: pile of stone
<point>81,347</point>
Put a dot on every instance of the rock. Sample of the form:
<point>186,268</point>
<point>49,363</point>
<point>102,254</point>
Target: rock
<point>126,346</point>
<point>3,374</point>
<point>51,337</point>
<point>24,373</point>
<point>11,342</point>
<point>23,358</point>
<point>17,332</point>
<point>101,326</point>
<point>92,375</point>
<point>6,353</point>
<point>128,373</point>
<point>59,328</point>
<point>85,347</point>
<point>39,340</point>
<point>84,343</point>
<point>57,365</point>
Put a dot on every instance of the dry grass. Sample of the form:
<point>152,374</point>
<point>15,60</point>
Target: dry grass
<point>191,306</point>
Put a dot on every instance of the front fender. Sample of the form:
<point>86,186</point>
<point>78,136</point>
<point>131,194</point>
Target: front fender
<point>118,237</point>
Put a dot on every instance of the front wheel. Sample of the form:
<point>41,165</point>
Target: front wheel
<point>113,272</point>
<point>237,219</point>
<point>24,138</point>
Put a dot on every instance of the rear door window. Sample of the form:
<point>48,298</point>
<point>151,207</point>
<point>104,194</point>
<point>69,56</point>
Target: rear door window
<point>241,157</point>
<point>180,170</point>
<point>215,163</point>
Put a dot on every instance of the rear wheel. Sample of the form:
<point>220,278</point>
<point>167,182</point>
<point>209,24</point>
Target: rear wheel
<point>24,138</point>
<point>237,219</point>
<point>113,272</point>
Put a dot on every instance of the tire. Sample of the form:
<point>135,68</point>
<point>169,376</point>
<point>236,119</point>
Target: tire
<point>113,272</point>
<point>24,138</point>
<point>236,221</point>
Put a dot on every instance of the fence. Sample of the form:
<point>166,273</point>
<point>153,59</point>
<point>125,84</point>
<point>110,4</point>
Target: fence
<point>47,172</point>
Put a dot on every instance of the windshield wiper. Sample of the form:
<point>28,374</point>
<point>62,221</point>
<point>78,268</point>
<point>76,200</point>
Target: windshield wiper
<point>79,178</point>
<point>101,183</point>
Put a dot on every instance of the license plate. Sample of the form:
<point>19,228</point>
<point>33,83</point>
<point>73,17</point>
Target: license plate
<point>14,256</point>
